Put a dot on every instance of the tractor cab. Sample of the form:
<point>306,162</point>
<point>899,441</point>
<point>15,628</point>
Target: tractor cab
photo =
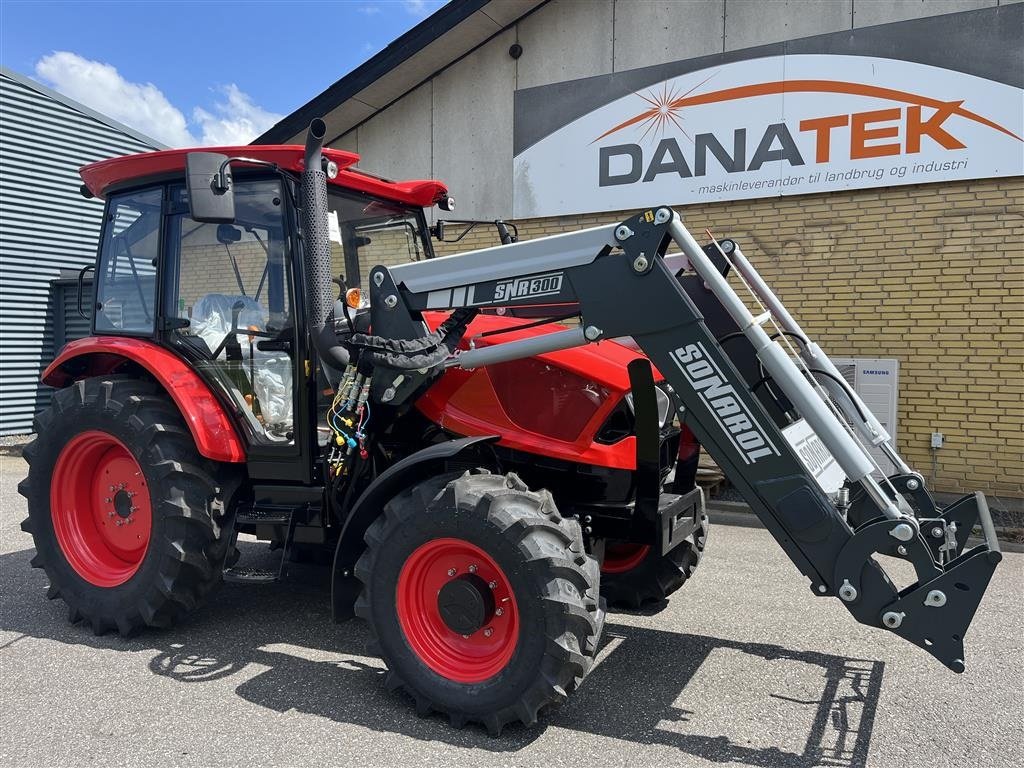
<point>224,289</point>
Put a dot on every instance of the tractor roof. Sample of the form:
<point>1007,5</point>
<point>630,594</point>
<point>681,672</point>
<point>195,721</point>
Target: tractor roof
<point>108,175</point>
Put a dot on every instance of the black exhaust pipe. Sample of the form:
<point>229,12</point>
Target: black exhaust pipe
<point>317,252</point>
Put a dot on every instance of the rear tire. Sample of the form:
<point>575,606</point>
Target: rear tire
<point>636,576</point>
<point>503,546</point>
<point>130,523</point>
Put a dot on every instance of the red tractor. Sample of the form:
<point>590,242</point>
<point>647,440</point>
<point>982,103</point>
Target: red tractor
<point>276,351</point>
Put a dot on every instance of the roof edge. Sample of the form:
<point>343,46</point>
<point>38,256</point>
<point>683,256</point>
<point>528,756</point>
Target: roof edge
<point>110,122</point>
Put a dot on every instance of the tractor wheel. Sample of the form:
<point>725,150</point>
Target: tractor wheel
<point>130,523</point>
<point>635,575</point>
<point>481,599</point>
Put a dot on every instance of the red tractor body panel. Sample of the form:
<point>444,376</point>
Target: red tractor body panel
<point>212,430</point>
<point>550,405</point>
<point>106,175</point>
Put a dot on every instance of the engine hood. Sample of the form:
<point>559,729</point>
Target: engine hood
<point>603,362</point>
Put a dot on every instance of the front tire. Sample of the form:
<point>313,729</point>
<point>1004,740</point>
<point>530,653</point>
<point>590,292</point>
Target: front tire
<point>130,523</point>
<point>481,599</point>
<point>636,576</point>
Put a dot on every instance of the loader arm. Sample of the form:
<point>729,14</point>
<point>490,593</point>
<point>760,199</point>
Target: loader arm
<point>618,277</point>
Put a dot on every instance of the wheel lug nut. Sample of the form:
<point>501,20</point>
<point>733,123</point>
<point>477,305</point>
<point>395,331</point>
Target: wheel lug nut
<point>498,611</point>
<point>472,569</point>
<point>488,632</point>
<point>492,584</point>
<point>465,637</point>
<point>108,500</point>
<point>451,571</point>
<point>110,514</point>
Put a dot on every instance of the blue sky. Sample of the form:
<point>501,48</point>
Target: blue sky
<point>198,72</point>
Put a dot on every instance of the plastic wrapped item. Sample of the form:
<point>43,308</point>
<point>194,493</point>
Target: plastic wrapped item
<point>211,318</point>
<point>272,385</point>
<point>269,374</point>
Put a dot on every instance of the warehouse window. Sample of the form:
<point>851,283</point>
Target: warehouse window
<point>126,275</point>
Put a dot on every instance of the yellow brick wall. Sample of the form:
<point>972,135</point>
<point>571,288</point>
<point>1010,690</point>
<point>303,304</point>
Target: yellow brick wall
<point>931,274</point>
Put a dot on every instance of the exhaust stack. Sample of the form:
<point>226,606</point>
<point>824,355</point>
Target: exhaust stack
<point>317,251</point>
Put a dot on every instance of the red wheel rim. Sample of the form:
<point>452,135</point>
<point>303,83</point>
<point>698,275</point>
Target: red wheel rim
<point>485,652</point>
<point>619,558</point>
<point>100,506</point>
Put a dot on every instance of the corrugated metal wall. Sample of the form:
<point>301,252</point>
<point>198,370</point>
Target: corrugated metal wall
<point>45,226</point>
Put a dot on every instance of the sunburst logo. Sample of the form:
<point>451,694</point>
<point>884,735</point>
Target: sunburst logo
<point>665,110</point>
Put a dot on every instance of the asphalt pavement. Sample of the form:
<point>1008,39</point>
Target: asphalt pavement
<point>744,667</point>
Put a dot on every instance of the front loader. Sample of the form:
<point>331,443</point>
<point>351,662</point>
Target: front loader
<point>471,525</point>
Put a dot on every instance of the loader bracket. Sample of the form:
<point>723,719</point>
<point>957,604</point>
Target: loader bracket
<point>935,612</point>
<point>878,537</point>
<point>935,615</point>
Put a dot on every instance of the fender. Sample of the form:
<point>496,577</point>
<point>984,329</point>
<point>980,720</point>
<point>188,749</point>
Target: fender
<point>215,436</point>
<point>412,469</point>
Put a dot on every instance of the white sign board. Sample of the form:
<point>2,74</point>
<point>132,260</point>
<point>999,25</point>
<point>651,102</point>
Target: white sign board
<point>815,456</point>
<point>780,125</point>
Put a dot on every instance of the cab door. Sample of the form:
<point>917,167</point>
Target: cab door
<point>230,308</point>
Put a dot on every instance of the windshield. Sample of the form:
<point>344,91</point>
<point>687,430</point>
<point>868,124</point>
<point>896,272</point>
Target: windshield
<point>366,232</point>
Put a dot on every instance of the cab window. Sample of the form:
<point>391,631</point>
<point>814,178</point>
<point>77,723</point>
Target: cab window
<point>126,273</point>
<point>366,232</point>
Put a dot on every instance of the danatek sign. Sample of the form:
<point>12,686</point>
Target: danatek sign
<point>795,118</point>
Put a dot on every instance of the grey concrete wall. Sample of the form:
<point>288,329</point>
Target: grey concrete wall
<point>458,126</point>
<point>756,22</point>
<point>565,40</point>
<point>398,140</point>
<point>658,31</point>
<point>473,129</point>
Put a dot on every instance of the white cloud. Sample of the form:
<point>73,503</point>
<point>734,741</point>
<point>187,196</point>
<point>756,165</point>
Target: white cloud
<point>370,10</point>
<point>144,107</point>
<point>100,86</point>
<point>236,120</point>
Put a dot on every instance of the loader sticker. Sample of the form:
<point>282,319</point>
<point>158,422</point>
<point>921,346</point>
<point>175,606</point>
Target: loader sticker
<point>518,289</point>
<point>815,457</point>
<point>727,408</point>
<point>528,287</point>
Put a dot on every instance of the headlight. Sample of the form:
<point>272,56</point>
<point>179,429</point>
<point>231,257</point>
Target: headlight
<point>664,405</point>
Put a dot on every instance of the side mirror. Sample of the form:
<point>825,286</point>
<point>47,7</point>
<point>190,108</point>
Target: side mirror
<point>211,197</point>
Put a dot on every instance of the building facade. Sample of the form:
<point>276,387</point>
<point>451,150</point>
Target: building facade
<point>47,228</point>
<point>872,175</point>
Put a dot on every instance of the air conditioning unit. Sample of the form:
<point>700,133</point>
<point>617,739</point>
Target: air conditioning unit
<point>876,380</point>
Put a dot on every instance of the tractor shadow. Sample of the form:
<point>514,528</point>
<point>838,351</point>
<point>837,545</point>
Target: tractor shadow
<point>279,643</point>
